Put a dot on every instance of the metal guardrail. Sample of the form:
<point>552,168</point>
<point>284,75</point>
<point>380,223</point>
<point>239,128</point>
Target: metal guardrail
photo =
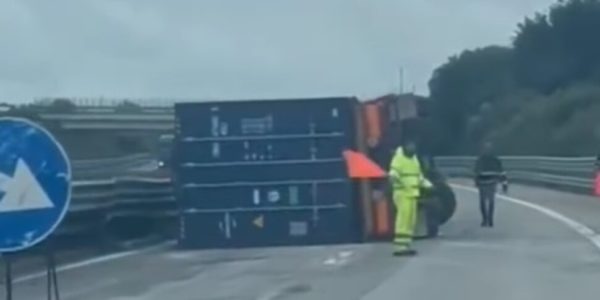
<point>94,163</point>
<point>570,173</point>
<point>96,203</point>
<point>109,167</point>
<point>140,202</point>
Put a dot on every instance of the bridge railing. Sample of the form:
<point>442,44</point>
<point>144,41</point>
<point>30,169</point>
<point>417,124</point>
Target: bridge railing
<point>569,173</point>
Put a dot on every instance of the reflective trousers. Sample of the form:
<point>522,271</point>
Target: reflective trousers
<point>406,220</point>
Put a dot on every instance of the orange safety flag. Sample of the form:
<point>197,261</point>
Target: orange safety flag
<point>597,185</point>
<point>361,167</point>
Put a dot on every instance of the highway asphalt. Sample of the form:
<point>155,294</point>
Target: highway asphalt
<point>545,250</point>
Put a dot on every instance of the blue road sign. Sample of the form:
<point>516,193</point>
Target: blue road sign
<point>35,184</point>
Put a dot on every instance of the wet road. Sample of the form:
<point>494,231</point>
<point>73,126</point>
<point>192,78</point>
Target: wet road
<point>530,254</point>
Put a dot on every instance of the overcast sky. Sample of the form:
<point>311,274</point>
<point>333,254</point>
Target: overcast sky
<point>228,49</point>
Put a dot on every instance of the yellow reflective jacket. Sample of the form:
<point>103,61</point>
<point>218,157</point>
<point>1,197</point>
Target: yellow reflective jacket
<point>406,175</point>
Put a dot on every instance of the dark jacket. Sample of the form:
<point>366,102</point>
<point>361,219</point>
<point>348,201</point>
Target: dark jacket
<point>489,170</point>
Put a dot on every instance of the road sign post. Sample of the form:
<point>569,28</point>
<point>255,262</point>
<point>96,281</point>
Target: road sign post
<point>7,276</point>
<point>35,190</point>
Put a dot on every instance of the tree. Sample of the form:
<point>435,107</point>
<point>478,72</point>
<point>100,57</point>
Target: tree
<point>558,49</point>
<point>62,106</point>
<point>525,95</point>
<point>462,86</point>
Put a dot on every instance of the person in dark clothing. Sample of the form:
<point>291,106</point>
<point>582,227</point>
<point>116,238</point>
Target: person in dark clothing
<point>489,172</point>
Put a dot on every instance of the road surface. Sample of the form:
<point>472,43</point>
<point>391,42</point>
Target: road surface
<point>541,252</point>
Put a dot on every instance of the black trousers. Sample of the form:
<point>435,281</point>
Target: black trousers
<point>487,197</point>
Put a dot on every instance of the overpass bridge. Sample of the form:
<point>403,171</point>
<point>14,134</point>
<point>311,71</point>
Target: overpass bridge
<point>104,130</point>
<point>545,246</point>
<point>109,118</point>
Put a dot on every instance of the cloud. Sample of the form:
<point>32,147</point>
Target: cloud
<point>228,49</point>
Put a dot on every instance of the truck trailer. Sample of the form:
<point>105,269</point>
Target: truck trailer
<point>272,172</point>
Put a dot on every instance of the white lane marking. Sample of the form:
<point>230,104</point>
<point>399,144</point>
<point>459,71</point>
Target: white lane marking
<point>345,254</point>
<point>341,258</point>
<point>91,261</point>
<point>581,229</point>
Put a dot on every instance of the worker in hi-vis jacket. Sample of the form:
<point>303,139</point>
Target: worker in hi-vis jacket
<point>407,180</point>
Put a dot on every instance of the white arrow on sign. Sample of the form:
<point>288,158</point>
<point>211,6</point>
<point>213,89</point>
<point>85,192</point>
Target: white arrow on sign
<point>22,191</point>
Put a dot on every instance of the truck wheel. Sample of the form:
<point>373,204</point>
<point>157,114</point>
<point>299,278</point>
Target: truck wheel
<point>447,200</point>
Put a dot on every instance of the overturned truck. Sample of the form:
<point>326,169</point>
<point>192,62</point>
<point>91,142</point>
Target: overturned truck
<point>388,122</point>
<point>272,172</point>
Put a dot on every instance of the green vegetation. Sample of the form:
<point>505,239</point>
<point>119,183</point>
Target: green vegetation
<point>541,95</point>
<point>61,106</point>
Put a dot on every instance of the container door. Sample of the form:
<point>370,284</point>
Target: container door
<point>260,173</point>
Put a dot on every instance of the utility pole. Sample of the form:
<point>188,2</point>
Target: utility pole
<point>401,80</point>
